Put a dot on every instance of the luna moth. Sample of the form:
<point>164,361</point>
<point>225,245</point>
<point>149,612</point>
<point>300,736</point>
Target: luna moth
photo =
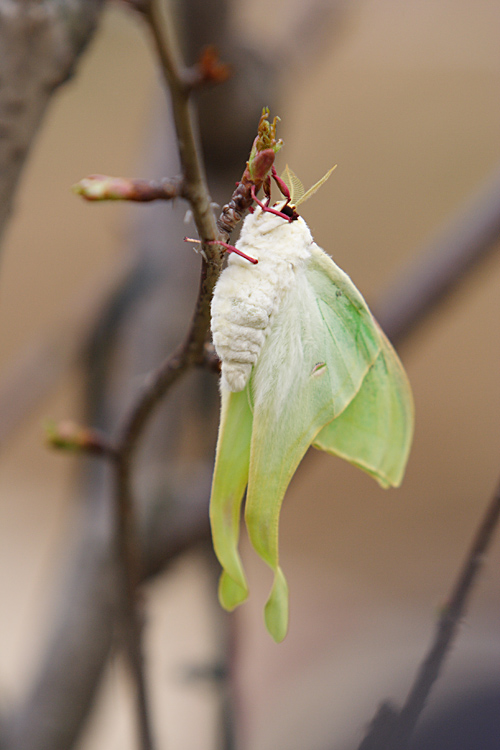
<point>303,363</point>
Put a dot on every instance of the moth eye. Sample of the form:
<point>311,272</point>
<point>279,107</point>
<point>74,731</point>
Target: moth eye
<point>318,369</point>
<point>338,293</point>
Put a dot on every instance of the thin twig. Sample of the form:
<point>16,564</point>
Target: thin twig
<point>196,190</point>
<point>132,618</point>
<point>449,622</point>
<point>63,691</point>
<point>392,729</point>
<point>37,369</point>
<point>100,187</point>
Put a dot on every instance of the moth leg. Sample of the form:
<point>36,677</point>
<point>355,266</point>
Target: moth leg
<point>266,187</point>
<point>229,248</point>
<point>270,210</point>
<point>283,187</point>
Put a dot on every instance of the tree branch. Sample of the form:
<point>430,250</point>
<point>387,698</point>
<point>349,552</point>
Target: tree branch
<point>99,187</point>
<point>62,694</point>
<point>461,245</point>
<point>391,729</point>
<point>40,43</point>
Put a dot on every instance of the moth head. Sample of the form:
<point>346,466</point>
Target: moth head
<point>289,211</point>
<point>293,192</point>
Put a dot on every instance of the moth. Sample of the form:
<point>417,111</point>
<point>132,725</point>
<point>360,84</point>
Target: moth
<point>303,363</point>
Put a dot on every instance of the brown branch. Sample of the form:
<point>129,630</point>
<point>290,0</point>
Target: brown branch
<point>68,436</point>
<point>211,361</point>
<point>196,190</point>
<point>99,187</point>
<point>464,242</point>
<point>131,620</point>
<point>61,696</point>
<point>40,44</point>
<point>37,369</point>
<point>392,729</point>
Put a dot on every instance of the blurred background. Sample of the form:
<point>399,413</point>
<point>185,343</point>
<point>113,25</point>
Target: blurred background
<point>404,97</point>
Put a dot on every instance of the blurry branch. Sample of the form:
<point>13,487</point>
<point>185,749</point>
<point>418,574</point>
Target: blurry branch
<point>446,262</point>
<point>40,43</point>
<point>63,691</point>
<point>99,187</point>
<point>35,372</point>
<point>391,729</point>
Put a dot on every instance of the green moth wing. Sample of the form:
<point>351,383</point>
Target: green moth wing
<point>322,344</point>
<point>375,431</point>
<point>228,487</point>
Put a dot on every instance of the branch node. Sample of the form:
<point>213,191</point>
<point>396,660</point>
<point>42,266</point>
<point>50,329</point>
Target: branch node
<point>210,361</point>
<point>98,187</point>
<point>208,71</point>
<point>69,436</point>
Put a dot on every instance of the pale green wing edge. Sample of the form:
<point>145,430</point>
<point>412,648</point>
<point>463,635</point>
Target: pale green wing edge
<point>375,431</point>
<point>228,487</point>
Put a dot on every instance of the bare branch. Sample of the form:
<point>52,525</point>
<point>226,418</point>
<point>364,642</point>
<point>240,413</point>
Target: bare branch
<point>391,729</point>
<point>62,694</point>
<point>38,368</point>
<point>444,264</point>
<point>99,187</point>
<point>196,189</point>
<point>68,436</point>
<point>40,43</point>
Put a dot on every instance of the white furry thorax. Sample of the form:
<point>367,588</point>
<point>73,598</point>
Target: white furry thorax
<point>247,295</point>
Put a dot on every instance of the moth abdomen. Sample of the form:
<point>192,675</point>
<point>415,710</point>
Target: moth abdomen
<point>239,347</point>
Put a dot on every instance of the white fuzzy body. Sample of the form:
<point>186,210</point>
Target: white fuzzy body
<point>247,296</point>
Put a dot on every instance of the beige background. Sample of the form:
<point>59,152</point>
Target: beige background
<point>405,99</point>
